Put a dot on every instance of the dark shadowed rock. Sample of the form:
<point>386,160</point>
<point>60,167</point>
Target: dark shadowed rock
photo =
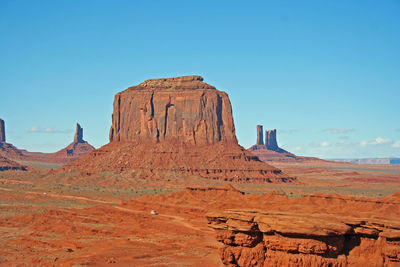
<point>270,151</point>
<point>2,131</point>
<point>260,138</point>
<point>78,134</point>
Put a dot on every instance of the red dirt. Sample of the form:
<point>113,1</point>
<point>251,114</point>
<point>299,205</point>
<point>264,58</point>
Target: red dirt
<point>128,234</point>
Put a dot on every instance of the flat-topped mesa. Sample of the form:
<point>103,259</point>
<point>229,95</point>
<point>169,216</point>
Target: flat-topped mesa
<point>182,108</point>
<point>78,138</point>
<point>2,131</point>
<point>176,83</point>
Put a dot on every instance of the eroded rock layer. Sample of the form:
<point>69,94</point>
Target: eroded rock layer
<point>288,238</point>
<point>220,161</point>
<point>183,108</point>
<point>176,126</point>
<point>8,165</point>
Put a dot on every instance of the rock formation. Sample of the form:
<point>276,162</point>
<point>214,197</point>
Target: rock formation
<point>7,165</point>
<point>311,231</point>
<point>270,151</point>
<point>76,149</point>
<point>78,138</point>
<point>260,138</point>
<point>176,126</point>
<point>270,141</point>
<point>2,131</point>
<point>73,151</point>
<point>183,108</point>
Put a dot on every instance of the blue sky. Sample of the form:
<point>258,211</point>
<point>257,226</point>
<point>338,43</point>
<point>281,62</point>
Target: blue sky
<point>326,74</point>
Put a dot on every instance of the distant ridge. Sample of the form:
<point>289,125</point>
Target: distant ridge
<point>371,160</point>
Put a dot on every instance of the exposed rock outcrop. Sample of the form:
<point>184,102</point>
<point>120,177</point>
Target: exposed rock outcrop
<point>176,126</point>
<point>73,151</point>
<point>2,131</point>
<point>76,149</point>
<point>183,108</point>
<point>7,165</point>
<point>270,141</point>
<point>270,151</point>
<point>78,138</point>
<point>260,138</point>
<point>310,238</point>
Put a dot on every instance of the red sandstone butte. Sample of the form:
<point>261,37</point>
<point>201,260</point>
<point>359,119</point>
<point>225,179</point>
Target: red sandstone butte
<point>183,108</point>
<point>73,151</point>
<point>270,151</point>
<point>174,126</point>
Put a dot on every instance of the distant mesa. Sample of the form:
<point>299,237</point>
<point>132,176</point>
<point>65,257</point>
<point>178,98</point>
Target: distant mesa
<point>176,127</point>
<point>73,151</point>
<point>371,160</point>
<point>270,151</point>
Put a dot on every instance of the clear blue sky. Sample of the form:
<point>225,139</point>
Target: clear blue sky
<point>326,74</point>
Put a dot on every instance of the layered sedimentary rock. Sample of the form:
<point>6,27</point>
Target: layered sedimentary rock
<point>176,126</point>
<point>270,151</point>
<point>7,165</point>
<point>2,131</point>
<point>183,108</point>
<point>290,238</point>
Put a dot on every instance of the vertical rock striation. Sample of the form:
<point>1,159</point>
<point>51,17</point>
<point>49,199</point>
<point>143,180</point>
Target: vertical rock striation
<point>176,126</point>
<point>183,108</point>
<point>270,140</point>
<point>78,138</point>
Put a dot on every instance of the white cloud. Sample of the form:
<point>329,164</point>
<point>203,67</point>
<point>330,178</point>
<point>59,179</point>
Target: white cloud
<point>381,141</point>
<point>325,144</point>
<point>376,141</point>
<point>363,143</point>
<point>51,130</point>
<point>339,130</point>
<point>396,144</point>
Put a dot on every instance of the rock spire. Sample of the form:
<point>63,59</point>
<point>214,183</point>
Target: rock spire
<point>2,131</point>
<point>270,140</point>
<point>78,134</point>
<point>260,138</point>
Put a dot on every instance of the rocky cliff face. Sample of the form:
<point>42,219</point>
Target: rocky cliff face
<point>78,138</point>
<point>270,141</point>
<point>2,131</point>
<point>310,238</point>
<point>176,127</point>
<point>260,138</point>
<point>183,108</point>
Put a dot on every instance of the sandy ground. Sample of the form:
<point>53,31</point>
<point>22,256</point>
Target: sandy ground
<point>54,219</point>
